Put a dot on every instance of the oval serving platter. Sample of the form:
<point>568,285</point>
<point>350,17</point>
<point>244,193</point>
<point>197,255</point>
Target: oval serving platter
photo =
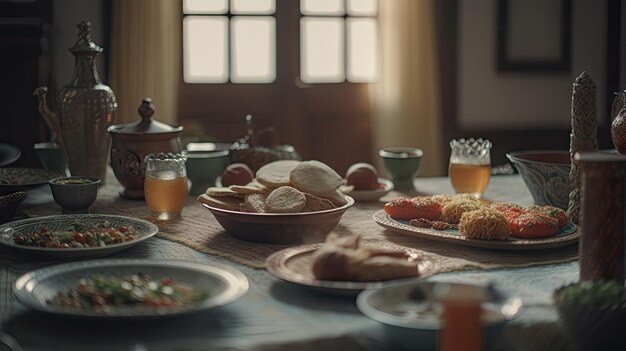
<point>8,231</point>
<point>294,265</point>
<point>567,235</point>
<point>219,284</point>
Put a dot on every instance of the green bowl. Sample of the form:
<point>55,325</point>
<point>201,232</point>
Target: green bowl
<point>403,164</point>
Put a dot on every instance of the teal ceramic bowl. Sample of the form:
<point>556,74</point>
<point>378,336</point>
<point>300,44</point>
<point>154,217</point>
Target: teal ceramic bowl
<point>403,164</point>
<point>203,168</point>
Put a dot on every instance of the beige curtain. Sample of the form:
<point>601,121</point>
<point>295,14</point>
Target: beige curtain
<point>146,57</point>
<point>406,110</point>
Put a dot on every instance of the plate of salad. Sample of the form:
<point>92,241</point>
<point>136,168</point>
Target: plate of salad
<point>130,288</point>
<point>76,236</point>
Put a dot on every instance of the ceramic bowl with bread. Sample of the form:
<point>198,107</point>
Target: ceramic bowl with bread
<point>287,202</point>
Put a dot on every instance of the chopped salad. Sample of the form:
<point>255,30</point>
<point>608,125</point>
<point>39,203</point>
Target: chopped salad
<point>101,292</point>
<point>77,236</point>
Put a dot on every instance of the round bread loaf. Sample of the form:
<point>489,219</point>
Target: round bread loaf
<point>285,200</point>
<point>316,178</point>
<point>237,174</point>
<point>363,176</point>
<point>276,174</point>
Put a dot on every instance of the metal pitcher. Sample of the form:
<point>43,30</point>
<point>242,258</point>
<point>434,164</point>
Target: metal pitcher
<point>85,109</point>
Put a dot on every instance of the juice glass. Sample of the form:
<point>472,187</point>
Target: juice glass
<point>165,184</point>
<point>470,166</point>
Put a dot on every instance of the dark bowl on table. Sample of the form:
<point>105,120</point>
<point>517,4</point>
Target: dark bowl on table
<point>74,194</point>
<point>593,314</point>
<point>546,174</point>
<point>280,228</point>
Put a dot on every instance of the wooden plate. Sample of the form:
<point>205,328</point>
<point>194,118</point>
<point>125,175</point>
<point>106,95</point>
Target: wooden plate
<point>294,265</point>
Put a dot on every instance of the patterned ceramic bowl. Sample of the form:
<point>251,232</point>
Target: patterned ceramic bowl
<point>546,174</point>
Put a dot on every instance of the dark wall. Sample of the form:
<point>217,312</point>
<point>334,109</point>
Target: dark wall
<point>23,29</point>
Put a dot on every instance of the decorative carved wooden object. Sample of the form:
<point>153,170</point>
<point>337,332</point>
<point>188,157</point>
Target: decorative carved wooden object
<point>583,136</point>
<point>618,126</point>
<point>602,220</point>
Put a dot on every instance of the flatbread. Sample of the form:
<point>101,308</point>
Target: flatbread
<point>276,174</point>
<point>223,202</point>
<point>337,198</point>
<point>316,178</point>
<point>254,203</point>
<point>285,199</point>
<point>251,189</point>
<point>316,203</point>
<point>222,191</point>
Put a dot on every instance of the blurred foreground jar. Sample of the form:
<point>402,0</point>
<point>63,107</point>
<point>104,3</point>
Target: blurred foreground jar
<point>602,218</point>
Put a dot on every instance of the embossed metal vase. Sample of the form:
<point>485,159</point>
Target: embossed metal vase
<point>85,109</point>
<point>132,142</point>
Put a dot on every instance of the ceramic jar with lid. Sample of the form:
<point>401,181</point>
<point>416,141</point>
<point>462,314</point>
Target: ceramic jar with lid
<point>132,142</point>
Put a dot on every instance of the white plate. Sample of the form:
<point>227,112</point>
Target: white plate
<point>294,265</point>
<point>372,195</point>
<point>222,285</point>
<point>416,305</point>
<point>142,228</point>
<point>567,235</point>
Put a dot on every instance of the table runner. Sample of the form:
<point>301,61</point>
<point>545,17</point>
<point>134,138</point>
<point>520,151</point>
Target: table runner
<point>199,230</point>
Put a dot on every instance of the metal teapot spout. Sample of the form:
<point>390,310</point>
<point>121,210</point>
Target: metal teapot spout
<point>51,118</point>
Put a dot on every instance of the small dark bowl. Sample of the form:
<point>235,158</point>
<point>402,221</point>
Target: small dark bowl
<point>594,325</point>
<point>74,194</point>
<point>546,174</point>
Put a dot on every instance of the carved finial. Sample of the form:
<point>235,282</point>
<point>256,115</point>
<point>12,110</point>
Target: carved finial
<point>84,42</point>
<point>146,109</point>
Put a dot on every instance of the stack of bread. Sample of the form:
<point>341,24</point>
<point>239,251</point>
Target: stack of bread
<point>285,186</point>
<point>345,259</point>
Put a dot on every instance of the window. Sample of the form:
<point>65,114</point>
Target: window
<point>338,41</point>
<point>229,41</point>
<point>308,113</point>
<point>235,41</point>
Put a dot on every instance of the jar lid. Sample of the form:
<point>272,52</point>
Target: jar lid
<point>146,125</point>
<point>84,44</point>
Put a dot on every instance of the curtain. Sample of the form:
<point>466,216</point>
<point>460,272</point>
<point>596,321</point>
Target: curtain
<point>145,57</point>
<point>405,100</point>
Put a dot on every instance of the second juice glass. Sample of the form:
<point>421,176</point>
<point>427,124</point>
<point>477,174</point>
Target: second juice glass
<point>470,166</point>
<point>165,185</point>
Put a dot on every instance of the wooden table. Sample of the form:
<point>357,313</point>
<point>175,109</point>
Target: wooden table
<point>275,315</point>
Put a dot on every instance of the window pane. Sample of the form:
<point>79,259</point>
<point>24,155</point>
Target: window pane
<point>362,7</point>
<point>259,7</point>
<point>205,49</point>
<point>205,6</point>
<point>362,50</point>
<point>253,49</point>
<point>322,7</point>
<point>322,50</point>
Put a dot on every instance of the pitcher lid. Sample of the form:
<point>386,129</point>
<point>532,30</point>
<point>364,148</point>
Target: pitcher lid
<point>84,44</point>
<point>146,125</point>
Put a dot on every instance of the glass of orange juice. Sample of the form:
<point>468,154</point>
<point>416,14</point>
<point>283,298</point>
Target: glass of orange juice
<point>470,166</point>
<point>165,184</point>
